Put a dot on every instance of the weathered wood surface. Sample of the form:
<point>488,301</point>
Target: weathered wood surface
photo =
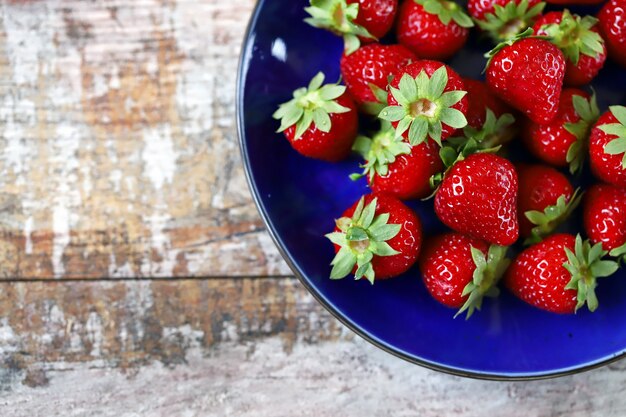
<point>237,347</point>
<point>118,159</point>
<point>118,151</point>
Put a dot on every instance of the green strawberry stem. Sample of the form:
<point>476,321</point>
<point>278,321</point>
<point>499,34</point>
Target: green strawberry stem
<point>585,265</point>
<point>311,104</point>
<point>573,36</point>
<point>424,106</point>
<point>338,16</point>
<point>379,151</point>
<point>619,252</point>
<point>489,270</point>
<point>360,238</point>
<point>508,21</point>
<point>495,131</point>
<point>548,220</point>
<point>588,112</point>
<point>375,107</point>
<point>447,11</point>
<point>616,146</point>
<point>528,33</point>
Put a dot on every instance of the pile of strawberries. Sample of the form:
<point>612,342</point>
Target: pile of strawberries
<point>444,137</point>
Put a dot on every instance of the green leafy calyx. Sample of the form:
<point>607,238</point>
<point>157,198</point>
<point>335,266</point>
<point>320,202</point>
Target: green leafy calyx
<point>508,21</point>
<point>495,131</point>
<point>360,238</point>
<point>488,139</point>
<point>339,17</point>
<point>423,106</point>
<point>547,221</point>
<point>379,151</point>
<point>447,11</point>
<point>573,36</point>
<point>617,146</point>
<point>585,265</point>
<point>489,270</point>
<point>588,112</point>
<point>312,104</point>
<point>619,252</point>
<point>375,107</point>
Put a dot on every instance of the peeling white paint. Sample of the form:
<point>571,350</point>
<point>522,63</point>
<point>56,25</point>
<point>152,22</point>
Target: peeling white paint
<point>95,333</point>
<point>61,229</point>
<point>8,339</point>
<point>159,156</point>
<point>28,230</point>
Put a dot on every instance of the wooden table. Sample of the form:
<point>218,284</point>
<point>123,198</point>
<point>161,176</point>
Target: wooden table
<point>137,278</point>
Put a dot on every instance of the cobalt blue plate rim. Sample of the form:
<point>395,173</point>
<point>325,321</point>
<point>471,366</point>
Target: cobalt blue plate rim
<point>326,303</point>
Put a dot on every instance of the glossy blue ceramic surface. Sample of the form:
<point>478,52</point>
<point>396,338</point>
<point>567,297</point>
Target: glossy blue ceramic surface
<point>299,198</point>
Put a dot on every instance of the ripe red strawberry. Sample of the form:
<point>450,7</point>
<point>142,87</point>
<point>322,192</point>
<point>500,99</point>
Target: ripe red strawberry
<point>579,40</point>
<point>459,270</point>
<point>356,20</point>
<point>320,121</point>
<point>607,147</point>
<point>563,141</point>
<point>504,19</point>
<point>559,274</point>
<point>366,71</point>
<point>426,99</point>
<point>433,29</point>
<point>546,199</point>
<point>604,217</point>
<point>613,26</point>
<point>377,238</point>
<point>394,167</point>
<point>478,196</point>
<point>527,73</point>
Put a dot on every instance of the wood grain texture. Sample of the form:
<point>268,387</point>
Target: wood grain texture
<point>48,326</point>
<point>245,347</point>
<point>118,151</point>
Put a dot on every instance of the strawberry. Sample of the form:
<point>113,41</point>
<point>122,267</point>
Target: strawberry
<point>504,19</point>
<point>478,196</point>
<point>366,71</point>
<point>563,141</point>
<point>579,40</point>
<point>433,29</point>
<point>394,167</point>
<point>613,27</point>
<point>320,121</point>
<point>527,73</point>
<point>604,217</point>
<point>546,199</point>
<point>377,238</point>
<point>356,20</point>
<point>459,270</point>
<point>607,147</point>
<point>559,274</point>
<point>426,99</point>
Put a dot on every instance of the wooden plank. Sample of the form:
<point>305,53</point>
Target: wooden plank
<point>246,347</point>
<point>118,153</point>
<point>47,326</point>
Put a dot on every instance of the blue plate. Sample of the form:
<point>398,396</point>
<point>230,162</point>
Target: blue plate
<point>299,197</point>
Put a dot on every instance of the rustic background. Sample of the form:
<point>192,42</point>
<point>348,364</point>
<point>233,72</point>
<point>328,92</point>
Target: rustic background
<point>135,274</point>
